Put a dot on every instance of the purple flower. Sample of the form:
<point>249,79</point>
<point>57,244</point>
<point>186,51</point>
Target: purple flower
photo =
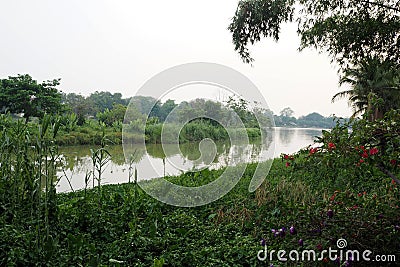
<point>337,260</point>
<point>329,213</point>
<point>282,232</point>
<point>301,242</point>
<point>346,263</point>
<point>262,242</point>
<point>275,232</point>
<point>292,230</point>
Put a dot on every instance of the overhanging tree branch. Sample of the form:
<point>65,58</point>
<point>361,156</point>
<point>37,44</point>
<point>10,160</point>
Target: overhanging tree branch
<point>380,5</point>
<point>388,173</point>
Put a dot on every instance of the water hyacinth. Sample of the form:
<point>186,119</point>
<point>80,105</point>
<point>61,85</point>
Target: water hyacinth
<point>280,232</point>
<point>329,213</point>
<point>292,230</point>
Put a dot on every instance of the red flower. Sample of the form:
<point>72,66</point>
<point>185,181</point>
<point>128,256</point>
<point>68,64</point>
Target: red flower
<point>359,194</point>
<point>362,147</point>
<point>361,161</point>
<point>286,156</point>
<point>331,146</point>
<point>364,193</point>
<point>393,162</point>
<point>365,154</point>
<point>287,164</point>
<point>373,151</point>
<point>313,150</point>
<point>393,181</point>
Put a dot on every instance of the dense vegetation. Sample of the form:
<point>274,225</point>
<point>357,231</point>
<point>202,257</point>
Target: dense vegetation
<point>120,225</point>
<point>344,186</point>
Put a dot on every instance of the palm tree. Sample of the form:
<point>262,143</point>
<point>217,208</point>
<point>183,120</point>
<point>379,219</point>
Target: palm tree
<point>374,87</point>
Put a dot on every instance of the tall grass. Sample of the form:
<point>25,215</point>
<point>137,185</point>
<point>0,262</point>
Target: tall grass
<point>28,163</point>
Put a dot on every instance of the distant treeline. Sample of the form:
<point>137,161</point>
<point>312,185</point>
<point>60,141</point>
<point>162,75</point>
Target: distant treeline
<point>24,96</point>
<point>312,120</point>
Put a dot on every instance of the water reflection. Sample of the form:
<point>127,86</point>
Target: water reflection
<point>155,160</point>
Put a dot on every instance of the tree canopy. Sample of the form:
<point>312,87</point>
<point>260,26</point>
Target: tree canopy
<point>374,87</point>
<point>349,30</point>
<point>22,94</point>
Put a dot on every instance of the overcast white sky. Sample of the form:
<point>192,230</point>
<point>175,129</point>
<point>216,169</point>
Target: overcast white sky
<point>117,45</point>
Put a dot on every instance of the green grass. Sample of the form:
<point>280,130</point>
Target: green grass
<point>120,225</point>
<point>134,228</point>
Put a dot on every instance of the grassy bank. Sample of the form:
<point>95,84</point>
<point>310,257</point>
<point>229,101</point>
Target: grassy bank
<point>125,225</point>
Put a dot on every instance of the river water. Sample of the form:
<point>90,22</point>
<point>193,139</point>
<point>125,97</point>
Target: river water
<point>154,160</point>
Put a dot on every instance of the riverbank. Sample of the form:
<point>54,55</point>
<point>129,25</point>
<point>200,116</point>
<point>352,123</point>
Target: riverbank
<point>120,225</point>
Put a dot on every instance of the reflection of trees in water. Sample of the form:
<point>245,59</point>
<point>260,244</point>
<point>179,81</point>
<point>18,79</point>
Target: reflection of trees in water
<point>78,158</point>
<point>312,134</point>
<point>286,135</point>
<point>192,152</point>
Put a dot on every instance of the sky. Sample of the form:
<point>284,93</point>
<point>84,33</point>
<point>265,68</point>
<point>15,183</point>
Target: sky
<point>117,45</point>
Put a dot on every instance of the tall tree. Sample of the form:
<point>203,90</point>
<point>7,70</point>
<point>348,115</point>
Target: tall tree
<point>369,81</point>
<point>287,112</point>
<point>22,94</point>
<point>349,30</point>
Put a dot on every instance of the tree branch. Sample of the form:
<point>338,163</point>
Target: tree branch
<point>391,175</point>
<point>380,5</point>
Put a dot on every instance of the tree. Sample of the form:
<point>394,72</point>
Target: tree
<point>349,30</point>
<point>116,114</point>
<point>287,112</point>
<point>79,105</point>
<point>369,81</point>
<point>22,94</point>
<point>166,108</point>
<point>105,100</point>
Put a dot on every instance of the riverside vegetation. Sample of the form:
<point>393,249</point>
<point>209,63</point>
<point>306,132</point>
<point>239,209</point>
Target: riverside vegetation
<point>345,187</point>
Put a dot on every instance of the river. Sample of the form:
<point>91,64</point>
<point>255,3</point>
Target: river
<point>154,160</point>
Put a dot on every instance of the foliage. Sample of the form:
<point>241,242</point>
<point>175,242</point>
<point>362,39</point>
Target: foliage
<point>348,30</point>
<point>120,225</point>
<point>28,201</point>
<point>22,94</point>
<point>109,117</point>
<point>102,101</point>
<point>372,80</point>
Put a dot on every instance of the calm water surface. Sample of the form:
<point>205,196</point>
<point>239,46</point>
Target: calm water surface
<point>154,161</point>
